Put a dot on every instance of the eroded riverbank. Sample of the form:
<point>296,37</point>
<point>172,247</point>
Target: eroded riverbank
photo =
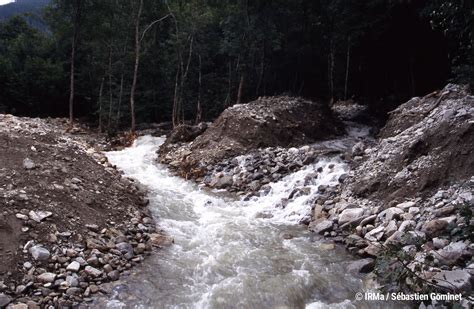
<point>229,252</point>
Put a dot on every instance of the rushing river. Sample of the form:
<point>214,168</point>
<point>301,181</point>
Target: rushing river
<point>230,253</point>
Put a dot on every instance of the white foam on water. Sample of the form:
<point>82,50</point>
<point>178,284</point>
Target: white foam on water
<point>224,253</point>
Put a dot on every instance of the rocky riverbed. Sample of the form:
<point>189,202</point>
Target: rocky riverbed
<point>406,205</point>
<point>69,221</point>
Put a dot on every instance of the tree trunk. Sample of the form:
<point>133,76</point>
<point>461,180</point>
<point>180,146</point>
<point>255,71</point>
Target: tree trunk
<point>332,72</point>
<point>100,104</point>
<point>229,86</point>
<point>241,88</point>
<point>262,71</point>
<point>199,109</point>
<point>348,59</point>
<point>119,101</point>
<point>135,70</point>
<point>109,118</point>
<point>71,85</point>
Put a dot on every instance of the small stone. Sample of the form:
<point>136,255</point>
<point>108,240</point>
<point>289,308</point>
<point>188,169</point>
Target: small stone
<point>46,277</point>
<point>113,275</point>
<point>456,280</point>
<point>321,226</point>
<point>39,216</point>
<point>22,217</point>
<point>91,271</point>
<point>4,300</point>
<point>434,227</point>
<point>39,253</point>
<point>73,266</point>
<point>406,205</point>
<point>390,213</point>
<point>28,164</point>
<point>93,288</point>
<point>27,265</point>
<point>73,291</point>
<point>361,266</point>
<point>350,215</point>
<point>161,240</point>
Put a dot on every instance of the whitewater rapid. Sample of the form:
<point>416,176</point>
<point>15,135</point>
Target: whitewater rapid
<point>226,253</point>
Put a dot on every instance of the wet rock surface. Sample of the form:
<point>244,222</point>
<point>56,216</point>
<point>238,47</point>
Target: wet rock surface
<point>69,222</point>
<point>412,193</point>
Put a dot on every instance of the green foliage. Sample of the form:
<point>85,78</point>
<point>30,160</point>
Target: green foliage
<point>324,49</point>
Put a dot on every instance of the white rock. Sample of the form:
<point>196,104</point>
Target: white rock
<point>46,277</point>
<point>73,266</point>
<point>406,205</point>
<point>375,234</point>
<point>39,253</point>
<point>93,271</point>
<point>40,215</point>
<point>349,215</point>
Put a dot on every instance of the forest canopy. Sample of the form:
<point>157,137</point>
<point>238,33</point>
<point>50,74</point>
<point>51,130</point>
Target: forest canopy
<point>182,60</point>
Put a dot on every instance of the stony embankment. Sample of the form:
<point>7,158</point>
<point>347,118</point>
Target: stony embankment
<point>68,221</point>
<point>408,203</point>
<point>267,122</point>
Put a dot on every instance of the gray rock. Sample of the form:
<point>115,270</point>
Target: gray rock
<point>391,228</point>
<point>452,253</point>
<point>40,215</point>
<point>4,300</point>
<point>439,243</point>
<point>361,266</point>
<point>455,280</point>
<point>124,248</point>
<point>46,277</point>
<point>28,164</point>
<point>73,266</point>
<point>222,181</point>
<point>91,271</point>
<point>39,253</point>
<point>390,213</point>
<point>435,227</point>
<point>73,291</point>
<point>350,215</point>
<point>375,234</point>
<point>72,281</point>
<point>113,275</point>
<point>321,227</point>
<point>406,205</point>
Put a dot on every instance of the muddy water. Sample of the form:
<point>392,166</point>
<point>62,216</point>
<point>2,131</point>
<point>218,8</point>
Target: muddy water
<point>230,253</point>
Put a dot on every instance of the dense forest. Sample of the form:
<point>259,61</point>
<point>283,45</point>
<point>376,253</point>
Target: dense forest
<point>182,61</point>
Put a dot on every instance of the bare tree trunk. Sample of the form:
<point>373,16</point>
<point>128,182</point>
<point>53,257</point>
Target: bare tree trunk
<point>71,86</point>
<point>174,117</point>
<point>331,71</point>
<point>348,59</point>
<point>229,86</point>
<point>100,104</point>
<point>135,70</point>
<point>119,101</point>
<point>109,118</point>
<point>241,88</point>
<point>262,70</point>
<point>77,11</point>
<point>199,109</point>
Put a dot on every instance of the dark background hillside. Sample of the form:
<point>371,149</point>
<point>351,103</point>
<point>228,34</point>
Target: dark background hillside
<point>204,56</point>
<point>31,9</point>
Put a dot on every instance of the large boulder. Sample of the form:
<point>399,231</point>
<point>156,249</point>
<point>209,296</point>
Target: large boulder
<point>267,122</point>
<point>427,143</point>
